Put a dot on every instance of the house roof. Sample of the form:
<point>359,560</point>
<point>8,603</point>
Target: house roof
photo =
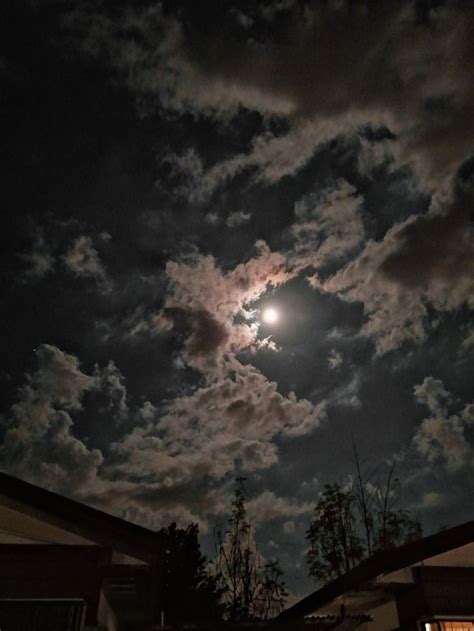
<point>85,521</point>
<point>382,563</point>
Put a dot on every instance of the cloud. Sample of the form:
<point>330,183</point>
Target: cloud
<point>79,257</point>
<point>412,79</point>
<point>242,19</point>
<point>155,505</point>
<point>40,260</point>
<point>328,225</point>
<point>443,437</point>
<point>347,394</point>
<point>311,485</point>
<point>373,154</point>
<point>58,379</point>
<point>431,393</point>
<point>38,442</point>
<point>432,499</point>
<point>212,218</point>
<point>111,381</point>
<point>206,299</point>
<point>230,423</point>
<point>468,341</point>
<point>269,159</point>
<point>267,506</point>
<point>237,218</point>
<point>426,259</point>
<point>193,184</point>
<point>140,321</point>
<point>335,359</point>
<point>83,260</point>
<point>155,518</point>
<point>410,76</point>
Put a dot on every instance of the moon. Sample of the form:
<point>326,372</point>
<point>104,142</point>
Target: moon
<point>270,315</point>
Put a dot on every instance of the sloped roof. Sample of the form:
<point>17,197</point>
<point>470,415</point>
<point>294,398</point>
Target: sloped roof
<point>85,521</point>
<point>382,563</point>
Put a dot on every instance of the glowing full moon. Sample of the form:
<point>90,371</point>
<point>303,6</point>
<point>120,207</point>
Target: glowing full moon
<point>270,315</point>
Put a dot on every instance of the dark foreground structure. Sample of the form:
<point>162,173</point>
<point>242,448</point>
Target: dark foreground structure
<point>423,586</point>
<point>67,567</point>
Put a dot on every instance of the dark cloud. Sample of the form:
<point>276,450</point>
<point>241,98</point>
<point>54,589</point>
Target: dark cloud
<point>39,260</point>
<point>155,504</point>
<point>442,437</point>
<point>335,359</point>
<point>232,421</point>
<point>208,337</point>
<point>82,259</point>
<point>427,259</point>
<point>328,226</point>
<point>237,218</point>
<point>111,381</point>
<point>38,442</point>
<point>336,69</point>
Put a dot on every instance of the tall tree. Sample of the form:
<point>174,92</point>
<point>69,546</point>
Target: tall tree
<point>252,589</point>
<point>352,523</point>
<point>335,546</point>
<point>189,591</point>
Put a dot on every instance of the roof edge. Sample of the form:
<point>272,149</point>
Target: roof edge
<point>383,563</point>
<point>81,519</point>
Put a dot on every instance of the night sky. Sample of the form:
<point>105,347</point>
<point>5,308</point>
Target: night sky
<point>173,170</point>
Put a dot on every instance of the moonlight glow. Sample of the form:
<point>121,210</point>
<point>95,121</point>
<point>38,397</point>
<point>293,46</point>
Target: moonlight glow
<point>270,315</point>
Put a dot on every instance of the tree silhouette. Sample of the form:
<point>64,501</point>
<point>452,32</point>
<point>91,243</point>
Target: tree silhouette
<point>189,592</point>
<point>354,522</point>
<point>252,589</point>
<point>335,546</point>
